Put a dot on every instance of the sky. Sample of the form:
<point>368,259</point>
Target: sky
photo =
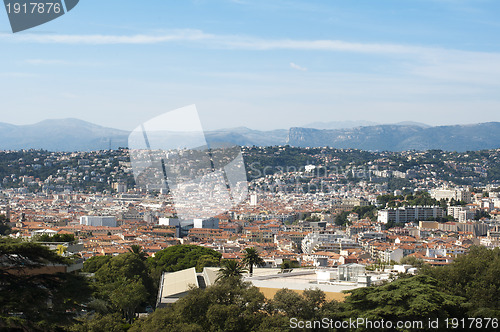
<point>262,64</point>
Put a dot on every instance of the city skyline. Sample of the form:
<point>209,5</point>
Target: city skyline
<point>256,64</point>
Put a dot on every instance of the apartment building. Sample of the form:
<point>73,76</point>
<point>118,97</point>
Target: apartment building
<point>409,214</point>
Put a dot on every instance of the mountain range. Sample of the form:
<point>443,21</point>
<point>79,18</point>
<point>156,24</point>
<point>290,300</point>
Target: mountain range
<point>78,135</point>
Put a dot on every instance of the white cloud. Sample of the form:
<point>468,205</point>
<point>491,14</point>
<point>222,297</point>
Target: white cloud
<point>177,35</point>
<point>45,62</point>
<point>295,66</point>
<point>431,62</point>
<point>217,41</point>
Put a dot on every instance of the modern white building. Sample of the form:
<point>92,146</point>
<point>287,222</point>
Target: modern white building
<point>108,221</point>
<point>212,223</point>
<point>461,213</point>
<point>169,221</point>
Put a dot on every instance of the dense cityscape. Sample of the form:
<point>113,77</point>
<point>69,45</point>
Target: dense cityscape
<point>249,166</point>
<point>322,220</point>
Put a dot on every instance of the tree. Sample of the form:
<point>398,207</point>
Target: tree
<point>124,283</point>
<point>5,229</point>
<point>310,305</point>
<point>128,296</point>
<point>94,263</point>
<point>55,238</point>
<point>473,276</point>
<point>179,257</point>
<point>125,266</point>
<point>341,219</point>
<point>206,261</point>
<point>101,323</point>
<point>250,258</point>
<point>137,250</point>
<point>405,299</point>
<point>413,261</point>
<point>230,269</point>
<point>288,302</point>
<point>481,214</point>
<point>226,306</point>
<point>46,301</point>
<point>288,264</point>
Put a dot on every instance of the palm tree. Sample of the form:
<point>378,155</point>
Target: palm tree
<point>230,269</point>
<point>251,258</point>
<point>137,249</point>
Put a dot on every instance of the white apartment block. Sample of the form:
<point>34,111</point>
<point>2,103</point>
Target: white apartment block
<point>212,223</point>
<point>458,194</point>
<point>108,221</point>
<point>314,240</point>
<point>456,211</point>
<point>409,214</point>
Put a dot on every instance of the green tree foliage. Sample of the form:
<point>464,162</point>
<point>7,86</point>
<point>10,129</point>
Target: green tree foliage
<point>5,229</point>
<point>128,296</point>
<point>385,199</point>
<point>481,214</point>
<point>55,238</point>
<point>454,202</point>
<point>101,323</point>
<point>362,211</point>
<point>32,300</point>
<point>474,277</point>
<point>288,264</point>
<point>405,299</point>
<point>230,269</point>
<point>93,264</point>
<point>227,306</point>
<point>250,258</point>
<point>124,283</point>
<point>420,198</point>
<point>231,305</point>
<point>413,261</point>
<point>179,257</point>
<point>206,261</point>
<point>125,266</point>
<point>309,305</point>
<point>397,183</point>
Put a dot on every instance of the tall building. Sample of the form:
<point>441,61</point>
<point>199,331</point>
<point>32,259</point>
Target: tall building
<point>253,200</point>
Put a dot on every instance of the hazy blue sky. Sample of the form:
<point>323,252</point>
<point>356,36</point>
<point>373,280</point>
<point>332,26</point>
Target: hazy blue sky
<point>257,63</point>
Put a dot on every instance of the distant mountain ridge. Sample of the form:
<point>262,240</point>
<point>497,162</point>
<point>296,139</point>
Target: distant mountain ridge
<point>402,137</point>
<point>61,135</point>
<point>78,135</point>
